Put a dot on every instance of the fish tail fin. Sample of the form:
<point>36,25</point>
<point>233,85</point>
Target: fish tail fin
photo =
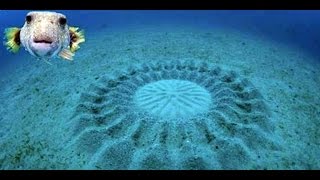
<point>12,36</point>
<point>76,37</point>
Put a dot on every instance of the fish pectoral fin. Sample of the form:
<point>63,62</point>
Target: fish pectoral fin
<point>12,36</point>
<point>76,37</point>
<point>66,54</point>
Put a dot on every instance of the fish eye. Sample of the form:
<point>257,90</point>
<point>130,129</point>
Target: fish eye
<point>62,21</point>
<point>28,18</point>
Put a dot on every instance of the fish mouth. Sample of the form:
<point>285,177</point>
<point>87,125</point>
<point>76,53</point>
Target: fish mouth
<point>43,47</point>
<point>45,41</point>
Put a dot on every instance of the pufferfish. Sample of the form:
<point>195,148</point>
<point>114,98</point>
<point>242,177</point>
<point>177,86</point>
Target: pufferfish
<point>45,35</point>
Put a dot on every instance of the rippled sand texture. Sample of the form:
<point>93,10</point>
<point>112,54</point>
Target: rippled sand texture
<point>164,99</point>
<point>177,115</point>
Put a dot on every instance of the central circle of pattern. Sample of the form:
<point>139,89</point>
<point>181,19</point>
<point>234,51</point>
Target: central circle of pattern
<point>173,99</point>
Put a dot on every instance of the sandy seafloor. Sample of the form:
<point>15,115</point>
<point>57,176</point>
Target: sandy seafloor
<point>37,100</point>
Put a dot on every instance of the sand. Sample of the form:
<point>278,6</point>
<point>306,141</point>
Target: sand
<point>39,100</point>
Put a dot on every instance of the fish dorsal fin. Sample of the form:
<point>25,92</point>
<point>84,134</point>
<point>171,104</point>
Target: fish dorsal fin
<point>76,37</point>
<point>12,36</point>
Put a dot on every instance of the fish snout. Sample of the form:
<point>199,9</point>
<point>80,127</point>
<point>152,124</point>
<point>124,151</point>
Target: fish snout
<point>43,38</point>
<point>43,44</point>
<point>44,33</point>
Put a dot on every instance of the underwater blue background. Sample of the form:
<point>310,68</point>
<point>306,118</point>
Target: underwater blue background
<point>278,51</point>
<point>295,27</point>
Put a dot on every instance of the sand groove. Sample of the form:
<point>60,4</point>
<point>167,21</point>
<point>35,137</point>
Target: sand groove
<point>175,115</point>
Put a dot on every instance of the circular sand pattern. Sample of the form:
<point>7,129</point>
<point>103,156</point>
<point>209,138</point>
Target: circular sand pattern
<point>173,99</point>
<point>177,115</point>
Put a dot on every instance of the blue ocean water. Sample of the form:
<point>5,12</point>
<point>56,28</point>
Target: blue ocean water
<point>296,27</point>
<point>164,96</point>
